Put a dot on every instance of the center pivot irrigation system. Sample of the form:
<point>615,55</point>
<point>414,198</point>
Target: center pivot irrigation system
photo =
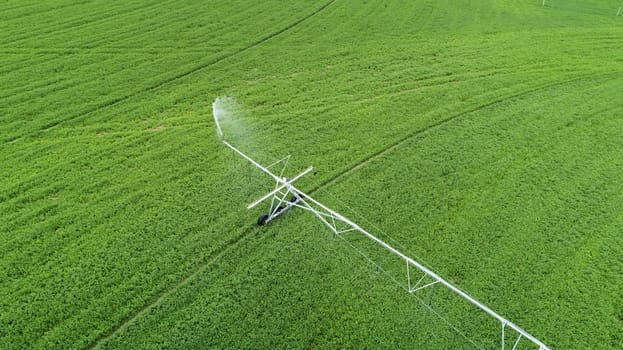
<point>285,196</point>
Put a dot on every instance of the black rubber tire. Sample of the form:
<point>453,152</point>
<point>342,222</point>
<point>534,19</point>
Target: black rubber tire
<point>296,197</point>
<point>262,219</point>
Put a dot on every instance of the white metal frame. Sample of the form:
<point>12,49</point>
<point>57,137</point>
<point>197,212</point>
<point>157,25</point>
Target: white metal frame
<point>340,224</point>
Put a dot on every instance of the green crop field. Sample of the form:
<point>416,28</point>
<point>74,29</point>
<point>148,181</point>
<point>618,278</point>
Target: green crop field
<point>484,138</point>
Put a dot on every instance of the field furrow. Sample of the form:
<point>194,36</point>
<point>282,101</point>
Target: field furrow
<point>482,138</point>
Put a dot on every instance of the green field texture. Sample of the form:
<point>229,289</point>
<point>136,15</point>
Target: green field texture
<point>481,137</point>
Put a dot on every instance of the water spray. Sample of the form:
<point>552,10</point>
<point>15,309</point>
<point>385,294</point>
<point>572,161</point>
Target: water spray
<point>286,196</point>
<point>216,111</point>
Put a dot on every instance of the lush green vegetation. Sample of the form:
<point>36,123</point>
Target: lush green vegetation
<point>483,137</point>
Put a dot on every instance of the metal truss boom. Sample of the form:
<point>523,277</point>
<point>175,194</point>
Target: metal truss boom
<point>340,224</point>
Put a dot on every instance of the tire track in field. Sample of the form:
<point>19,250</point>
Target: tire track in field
<point>382,152</point>
<point>233,242</point>
<point>214,257</point>
<point>156,86</point>
<point>247,232</point>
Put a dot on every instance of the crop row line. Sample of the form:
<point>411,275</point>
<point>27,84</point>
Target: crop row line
<point>36,5</point>
<point>108,50</point>
<point>116,192</point>
<point>552,133</point>
<point>16,7</point>
<point>377,155</point>
<point>25,60</point>
<point>117,38</point>
<point>24,93</point>
<point>101,16</point>
<point>215,256</point>
<point>10,196</point>
<point>31,180</point>
<point>164,82</point>
<point>246,232</point>
<point>402,141</point>
<point>20,97</point>
<point>382,152</point>
<point>231,243</point>
<point>123,34</point>
<point>106,36</point>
